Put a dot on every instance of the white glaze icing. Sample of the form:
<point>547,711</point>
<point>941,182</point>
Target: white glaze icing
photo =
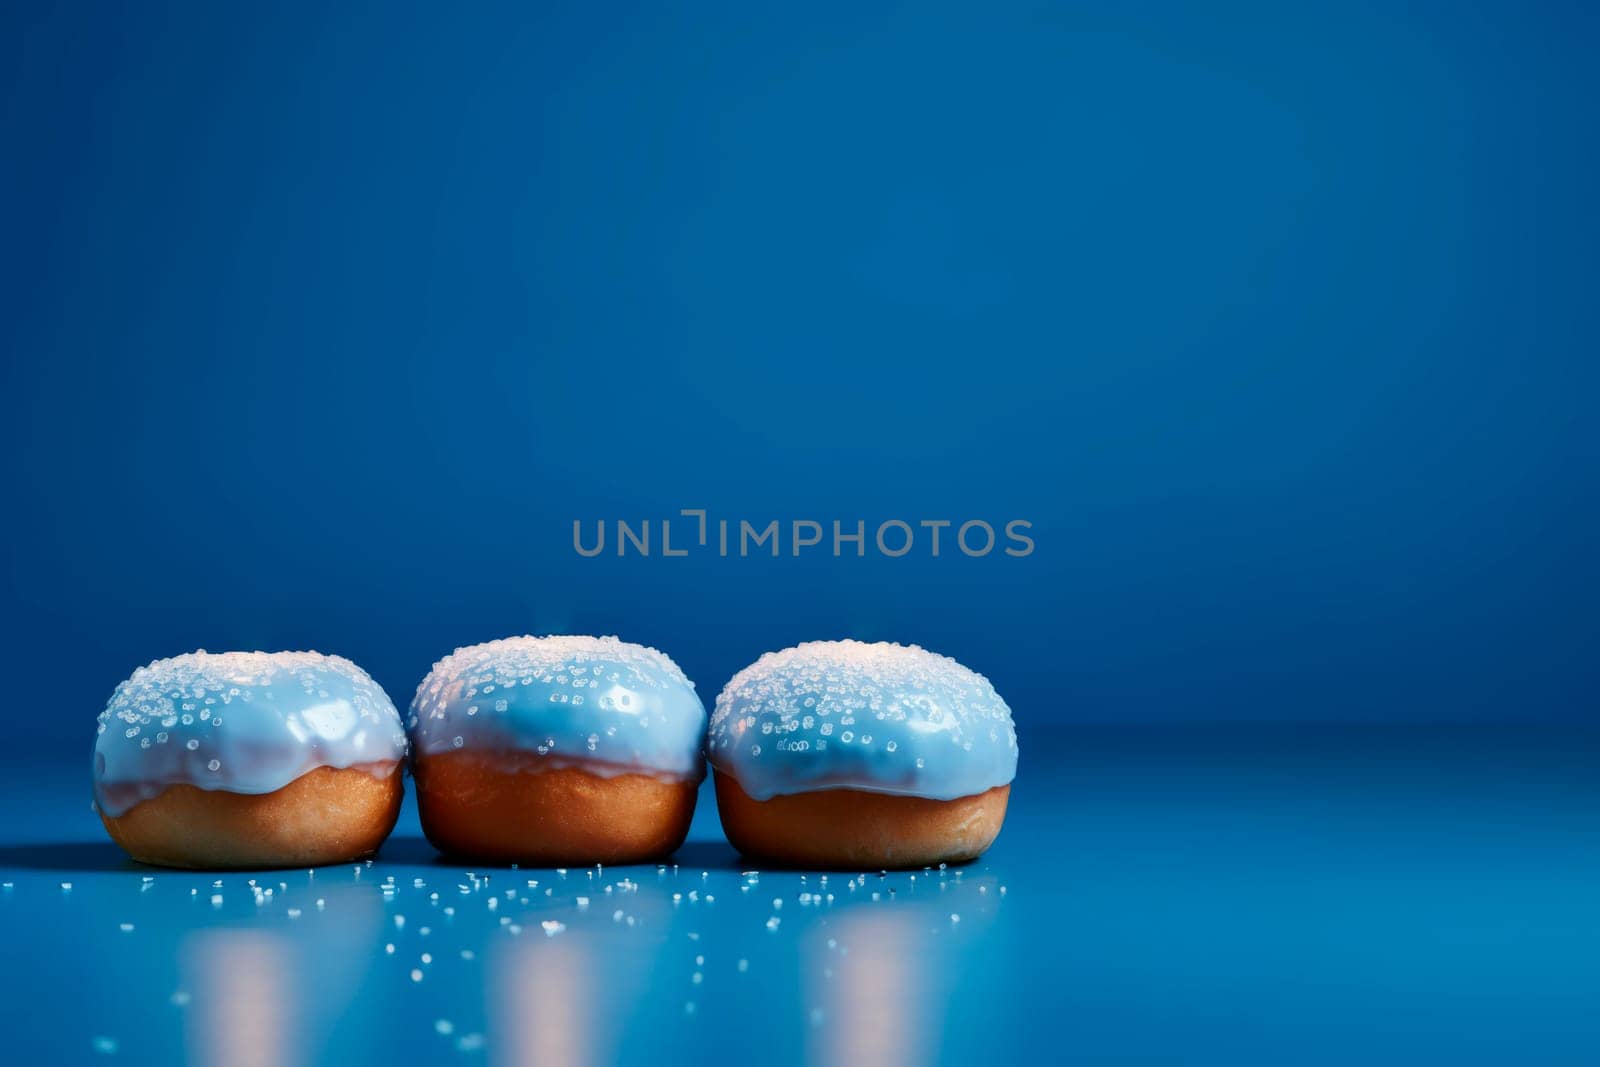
<point>240,722</point>
<point>598,703</point>
<point>882,717</point>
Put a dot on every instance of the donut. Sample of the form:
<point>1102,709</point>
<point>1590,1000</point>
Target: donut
<point>249,759</point>
<point>556,751</point>
<point>840,754</point>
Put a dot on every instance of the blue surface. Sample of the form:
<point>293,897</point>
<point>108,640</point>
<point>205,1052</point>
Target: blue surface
<point>1314,896</point>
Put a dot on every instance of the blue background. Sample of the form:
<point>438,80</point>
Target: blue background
<point>1278,324</point>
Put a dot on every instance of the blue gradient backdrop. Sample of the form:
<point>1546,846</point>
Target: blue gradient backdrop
<point>1278,323</point>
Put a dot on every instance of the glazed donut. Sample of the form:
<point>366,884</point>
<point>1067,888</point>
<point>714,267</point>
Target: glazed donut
<point>847,755</point>
<point>249,759</point>
<point>557,750</point>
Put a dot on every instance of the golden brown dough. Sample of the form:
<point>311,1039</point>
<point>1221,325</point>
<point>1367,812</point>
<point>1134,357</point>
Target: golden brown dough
<point>512,808</point>
<point>851,829</point>
<point>324,816</point>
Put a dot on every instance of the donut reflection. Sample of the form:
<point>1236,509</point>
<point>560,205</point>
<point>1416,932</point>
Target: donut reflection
<point>870,999</point>
<point>543,1007</point>
<point>258,996</point>
<point>244,1014</point>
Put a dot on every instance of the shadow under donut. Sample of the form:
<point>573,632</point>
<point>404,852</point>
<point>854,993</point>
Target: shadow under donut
<point>80,856</point>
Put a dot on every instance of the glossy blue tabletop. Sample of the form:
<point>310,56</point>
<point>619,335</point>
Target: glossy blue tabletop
<point>1315,895</point>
